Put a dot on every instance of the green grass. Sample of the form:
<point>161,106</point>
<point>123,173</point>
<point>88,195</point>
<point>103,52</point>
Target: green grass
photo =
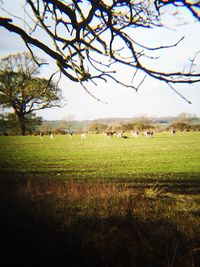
<point>100,201</point>
<point>99,157</point>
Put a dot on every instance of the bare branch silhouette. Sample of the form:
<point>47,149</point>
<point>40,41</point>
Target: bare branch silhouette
<point>87,39</point>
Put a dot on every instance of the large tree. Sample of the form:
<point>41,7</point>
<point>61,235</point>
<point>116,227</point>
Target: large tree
<point>88,38</point>
<point>22,90</point>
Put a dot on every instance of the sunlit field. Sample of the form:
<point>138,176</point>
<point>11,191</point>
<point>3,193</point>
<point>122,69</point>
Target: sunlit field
<point>101,201</point>
<point>99,157</point>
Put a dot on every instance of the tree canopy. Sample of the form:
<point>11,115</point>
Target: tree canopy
<point>22,90</point>
<point>88,38</point>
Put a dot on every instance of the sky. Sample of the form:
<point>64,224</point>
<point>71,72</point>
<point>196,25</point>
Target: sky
<point>152,99</point>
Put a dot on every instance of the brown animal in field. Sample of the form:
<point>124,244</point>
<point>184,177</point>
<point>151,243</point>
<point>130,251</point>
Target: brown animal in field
<point>110,133</point>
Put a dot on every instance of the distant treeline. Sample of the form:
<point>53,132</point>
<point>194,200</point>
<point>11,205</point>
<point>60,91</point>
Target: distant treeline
<point>183,122</point>
<point>142,126</point>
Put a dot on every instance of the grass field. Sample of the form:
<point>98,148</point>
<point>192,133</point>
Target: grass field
<point>101,201</point>
<point>99,157</point>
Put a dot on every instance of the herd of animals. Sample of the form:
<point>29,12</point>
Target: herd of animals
<point>109,134</point>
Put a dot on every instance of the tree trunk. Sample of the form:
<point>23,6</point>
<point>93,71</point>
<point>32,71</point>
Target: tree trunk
<point>22,125</point>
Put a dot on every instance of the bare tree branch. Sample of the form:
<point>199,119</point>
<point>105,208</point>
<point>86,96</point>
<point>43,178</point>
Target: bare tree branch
<point>192,5</point>
<point>87,39</point>
<point>179,94</point>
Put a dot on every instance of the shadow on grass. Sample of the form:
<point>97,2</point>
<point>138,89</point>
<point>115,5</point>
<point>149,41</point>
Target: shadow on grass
<point>172,182</point>
<point>39,228</point>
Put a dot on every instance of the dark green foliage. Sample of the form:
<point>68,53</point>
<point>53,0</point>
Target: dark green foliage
<point>11,126</point>
<point>22,90</point>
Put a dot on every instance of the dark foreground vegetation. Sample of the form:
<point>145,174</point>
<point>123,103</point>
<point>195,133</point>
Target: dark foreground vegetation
<point>49,222</point>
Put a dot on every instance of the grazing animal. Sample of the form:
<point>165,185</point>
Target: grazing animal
<point>83,135</point>
<point>41,135</point>
<point>110,134</point>
<point>119,134</point>
<point>135,134</point>
<point>173,131</point>
<point>70,135</point>
<point>149,134</point>
<point>52,136</point>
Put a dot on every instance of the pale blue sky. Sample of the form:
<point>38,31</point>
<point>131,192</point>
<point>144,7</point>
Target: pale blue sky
<point>153,98</point>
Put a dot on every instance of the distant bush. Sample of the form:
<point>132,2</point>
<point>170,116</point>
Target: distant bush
<point>59,131</point>
<point>195,127</point>
<point>137,126</point>
<point>185,127</point>
<point>97,127</point>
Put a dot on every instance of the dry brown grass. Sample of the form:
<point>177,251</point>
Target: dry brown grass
<point>100,224</point>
